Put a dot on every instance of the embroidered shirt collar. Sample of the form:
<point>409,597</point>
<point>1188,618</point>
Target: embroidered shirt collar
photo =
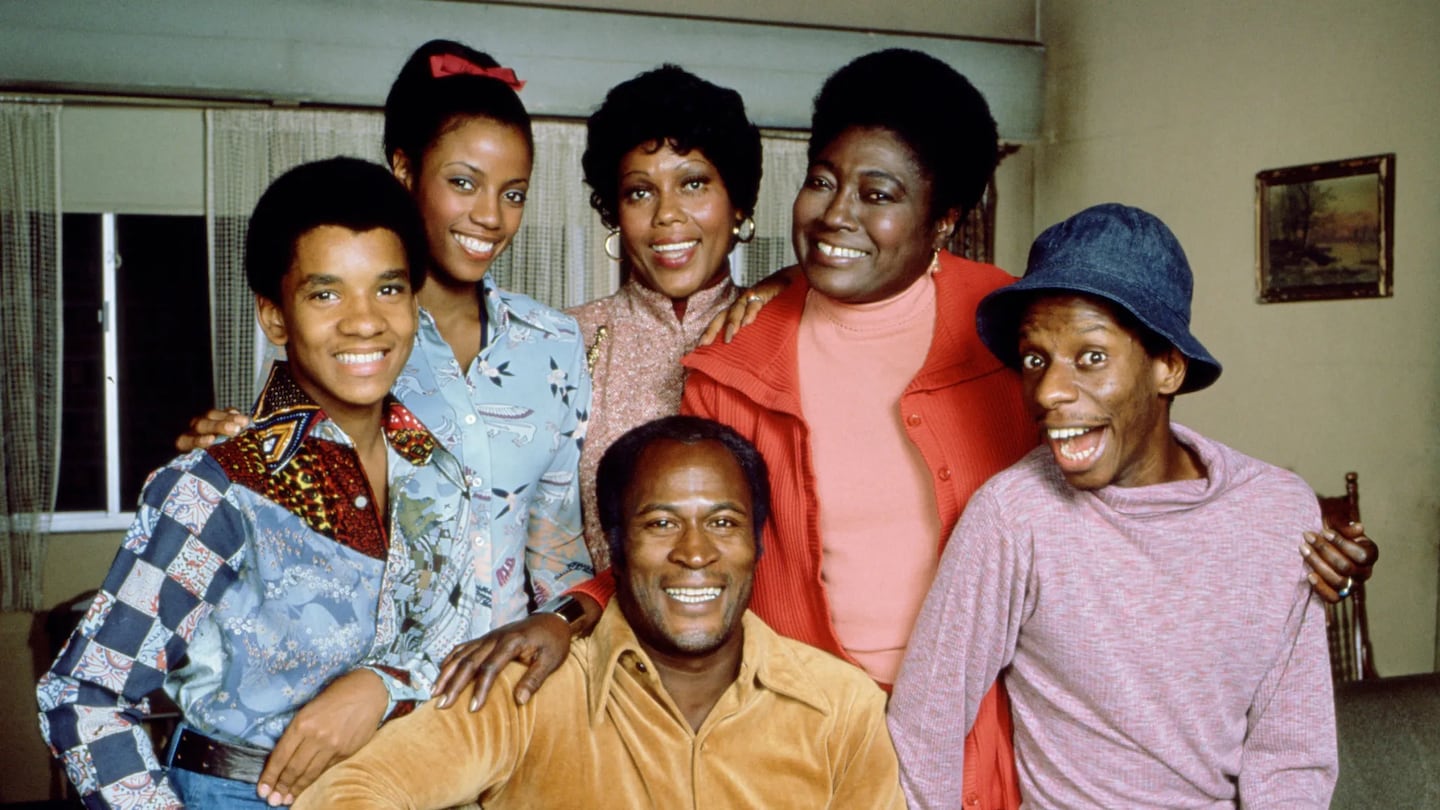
<point>287,416</point>
<point>764,663</point>
<point>501,306</point>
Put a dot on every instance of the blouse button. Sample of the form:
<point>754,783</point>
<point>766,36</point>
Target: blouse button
<point>913,420</point>
<point>944,473</point>
<point>469,418</point>
<point>361,501</point>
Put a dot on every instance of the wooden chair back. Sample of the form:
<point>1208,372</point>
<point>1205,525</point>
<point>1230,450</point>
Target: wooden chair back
<point>1345,623</point>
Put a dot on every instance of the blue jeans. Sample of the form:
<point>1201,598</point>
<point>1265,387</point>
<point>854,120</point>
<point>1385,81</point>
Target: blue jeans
<point>206,792</point>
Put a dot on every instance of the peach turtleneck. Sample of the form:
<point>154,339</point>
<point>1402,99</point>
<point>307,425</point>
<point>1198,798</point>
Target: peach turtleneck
<point>878,515</point>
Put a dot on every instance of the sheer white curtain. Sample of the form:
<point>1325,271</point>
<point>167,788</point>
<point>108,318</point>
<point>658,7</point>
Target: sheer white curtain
<point>784,169</point>
<point>558,256</point>
<point>246,150</point>
<point>29,343</point>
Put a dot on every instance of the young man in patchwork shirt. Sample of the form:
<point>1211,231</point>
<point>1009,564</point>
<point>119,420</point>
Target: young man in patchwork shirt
<point>1136,680</point>
<point>294,587</point>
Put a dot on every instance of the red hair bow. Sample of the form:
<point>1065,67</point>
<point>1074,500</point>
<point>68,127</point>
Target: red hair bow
<point>447,64</point>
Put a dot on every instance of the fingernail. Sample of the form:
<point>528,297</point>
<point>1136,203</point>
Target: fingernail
<point>1304,551</point>
<point>522,696</point>
<point>1314,580</point>
<point>474,704</point>
<point>1310,538</point>
<point>263,790</point>
<point>1330,535</point>
<point>444,701</point>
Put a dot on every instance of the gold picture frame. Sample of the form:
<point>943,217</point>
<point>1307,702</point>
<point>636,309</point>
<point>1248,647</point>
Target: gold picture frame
<point>1326,230</point>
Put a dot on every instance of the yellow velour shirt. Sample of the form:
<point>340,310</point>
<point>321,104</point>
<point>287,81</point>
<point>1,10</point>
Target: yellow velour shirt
<point>798,728</point>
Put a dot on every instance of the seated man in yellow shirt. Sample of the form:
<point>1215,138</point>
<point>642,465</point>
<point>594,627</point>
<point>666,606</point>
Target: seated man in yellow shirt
<point>679,698</point>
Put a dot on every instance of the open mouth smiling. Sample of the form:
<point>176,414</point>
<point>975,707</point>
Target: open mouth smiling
<point>694,596</point>
<point>838,252</point>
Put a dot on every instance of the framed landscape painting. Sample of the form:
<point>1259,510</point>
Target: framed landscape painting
<point>1326,230</point>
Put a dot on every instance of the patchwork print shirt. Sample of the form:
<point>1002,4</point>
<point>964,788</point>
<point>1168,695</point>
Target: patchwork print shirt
<point>255,573</point>
<point>516,419</point>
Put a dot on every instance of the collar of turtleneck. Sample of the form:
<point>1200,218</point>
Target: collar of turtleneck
<point>879,318</point>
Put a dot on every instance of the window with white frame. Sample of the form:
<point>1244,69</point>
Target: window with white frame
<point>136,314</point>
<point>136,356</point>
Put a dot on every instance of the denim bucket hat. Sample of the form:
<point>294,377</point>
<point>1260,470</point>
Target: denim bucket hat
<point>1121,254</point>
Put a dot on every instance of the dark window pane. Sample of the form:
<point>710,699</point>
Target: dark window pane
<point>82,419</point>
<point>164,339</point>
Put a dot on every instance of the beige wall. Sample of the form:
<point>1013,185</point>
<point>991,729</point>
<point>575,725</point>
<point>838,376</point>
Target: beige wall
<point>1174,107</point>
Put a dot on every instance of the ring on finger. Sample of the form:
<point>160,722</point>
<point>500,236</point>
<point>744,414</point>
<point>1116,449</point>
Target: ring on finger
<point>752,298</point>
<point>1345,591</point>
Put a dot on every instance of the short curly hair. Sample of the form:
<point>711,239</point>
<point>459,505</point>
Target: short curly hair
<point>420,107</point>
<point>934,111</point>
<point>345,192</point>
<point>673,106</point>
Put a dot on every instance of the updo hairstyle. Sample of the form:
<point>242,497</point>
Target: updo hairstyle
<point>420,107</point>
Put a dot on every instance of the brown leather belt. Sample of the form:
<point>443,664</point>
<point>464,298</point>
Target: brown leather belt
<point>200,754</point>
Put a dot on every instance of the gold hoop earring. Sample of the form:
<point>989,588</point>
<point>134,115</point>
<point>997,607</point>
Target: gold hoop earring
<point>612,245</point>
<point>745,231</point>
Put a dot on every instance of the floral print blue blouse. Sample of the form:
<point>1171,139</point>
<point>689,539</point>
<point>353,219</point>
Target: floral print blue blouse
<point>516,419</point>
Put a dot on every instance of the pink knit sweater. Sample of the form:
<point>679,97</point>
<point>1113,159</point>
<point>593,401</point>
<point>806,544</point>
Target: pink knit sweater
<point>1140,674</point>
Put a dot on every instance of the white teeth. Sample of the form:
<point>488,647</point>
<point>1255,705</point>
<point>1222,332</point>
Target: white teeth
<point>1073,456</point>
<point>693,596</point>
<point>1064,435</point>
<point>675,247</point>
<point>472,244</point>
<point>835,251</point>
<point>354,359</point>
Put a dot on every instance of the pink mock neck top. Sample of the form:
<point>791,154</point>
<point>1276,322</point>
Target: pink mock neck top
<point>878,516</point>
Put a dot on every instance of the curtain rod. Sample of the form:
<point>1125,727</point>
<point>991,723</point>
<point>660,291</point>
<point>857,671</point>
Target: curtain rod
<point>107,100</point>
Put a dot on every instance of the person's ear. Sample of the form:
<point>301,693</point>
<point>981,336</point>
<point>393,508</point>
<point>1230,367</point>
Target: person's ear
<point>403,171</point>
<point>271,320</point>
<point>945,228</point>
<point>1170,369</point>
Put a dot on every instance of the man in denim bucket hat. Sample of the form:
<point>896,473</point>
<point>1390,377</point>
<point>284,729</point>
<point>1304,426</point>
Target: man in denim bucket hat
<point>1118,700</point>
<point>1121,254</point>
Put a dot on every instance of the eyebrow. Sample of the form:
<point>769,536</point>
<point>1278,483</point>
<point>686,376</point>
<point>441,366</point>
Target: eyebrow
<point>328,279</point>
<point>722,506</point>
<point>882,175</point>
<point>476,170</point>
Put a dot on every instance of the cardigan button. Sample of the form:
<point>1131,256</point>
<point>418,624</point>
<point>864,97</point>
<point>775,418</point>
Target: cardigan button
<point>913,420</point>
<point>944,473</point>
